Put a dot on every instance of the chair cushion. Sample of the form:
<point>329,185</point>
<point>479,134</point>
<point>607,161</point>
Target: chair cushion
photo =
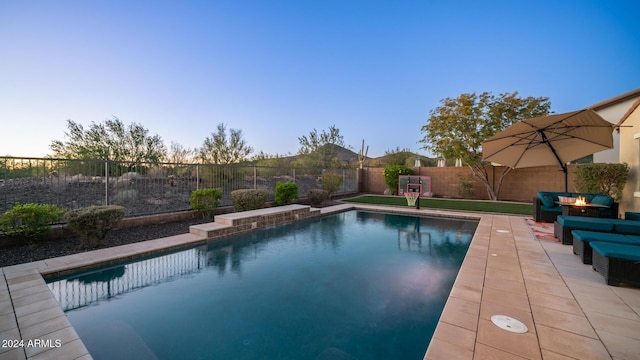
<point>602,200</point>
<point>589,236</point>
<point>627,226</point>
<point>586,223</point>
<point>630,215</point>
<point>617,251</point>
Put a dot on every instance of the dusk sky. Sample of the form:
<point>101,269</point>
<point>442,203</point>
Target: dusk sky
<point>278,69</point>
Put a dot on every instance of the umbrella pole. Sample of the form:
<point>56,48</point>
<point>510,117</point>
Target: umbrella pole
<point>564,166</point>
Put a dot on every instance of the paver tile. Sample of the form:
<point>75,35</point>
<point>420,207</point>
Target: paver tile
<point>577,324</point>
<point>570,344</point>
<point>524,345</point>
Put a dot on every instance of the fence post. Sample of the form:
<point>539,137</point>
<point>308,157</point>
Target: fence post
<point>106,182</point>
<point>255,177</point>
<point>294,174</point>
<point>197,176</point>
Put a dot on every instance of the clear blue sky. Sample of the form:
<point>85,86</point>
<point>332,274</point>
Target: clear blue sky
<point>278,69</point>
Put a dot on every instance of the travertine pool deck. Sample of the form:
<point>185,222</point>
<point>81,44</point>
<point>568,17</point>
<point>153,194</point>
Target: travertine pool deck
<point>569,310</point>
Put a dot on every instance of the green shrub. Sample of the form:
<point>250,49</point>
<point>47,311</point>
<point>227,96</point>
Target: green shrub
<point>248,199</point>
<point>465,186</point>
<point>606,179</point>
<point>205,200</point>
<point>317,197</point>
<point>331,182</point>
<point>286,192</point>
<point>391,173</point>
<point>94,222</point>
<point>30,221</point>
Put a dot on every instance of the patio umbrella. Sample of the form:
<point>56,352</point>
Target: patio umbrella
<point>550,140</point>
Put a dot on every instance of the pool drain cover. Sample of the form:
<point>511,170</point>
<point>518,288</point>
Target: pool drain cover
<point>509,324</point>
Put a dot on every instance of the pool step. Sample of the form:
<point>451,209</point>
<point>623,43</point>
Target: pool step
<point>235,223</point>
<point>208,230</point>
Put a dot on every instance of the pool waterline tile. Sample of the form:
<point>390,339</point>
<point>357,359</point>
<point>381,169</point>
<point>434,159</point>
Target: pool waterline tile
<point>537,262</point>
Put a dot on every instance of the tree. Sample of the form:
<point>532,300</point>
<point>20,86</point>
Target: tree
<point>220,149</point>
<point>320,150</point>
<point>457,128</point>
<point>269,160</point>
<point>178,154</point>
<point>110,140</point>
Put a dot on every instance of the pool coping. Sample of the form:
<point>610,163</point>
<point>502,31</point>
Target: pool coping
<point>505,270</point>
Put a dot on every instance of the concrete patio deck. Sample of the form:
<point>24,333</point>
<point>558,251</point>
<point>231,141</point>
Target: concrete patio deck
<point>569,310</point>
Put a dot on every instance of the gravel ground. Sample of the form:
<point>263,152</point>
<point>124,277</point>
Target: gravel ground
<point>61,247</point>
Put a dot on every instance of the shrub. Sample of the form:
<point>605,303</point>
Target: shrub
<point>391,173</point>
<point>331,182</point>
<point>286,192</point>
<point>317,197</point>
<point>94,222</point>
<point>205,200</point>
<point>248,199</point>
<point>30,220</point>
<point>606,179</point>
<point>465,186</point>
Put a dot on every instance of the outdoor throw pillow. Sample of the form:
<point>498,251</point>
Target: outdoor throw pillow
<point>547,200</point>
<point>566,199</point>
<point>602,200</point>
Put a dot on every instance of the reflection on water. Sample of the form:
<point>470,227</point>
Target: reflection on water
<point>365,284</point>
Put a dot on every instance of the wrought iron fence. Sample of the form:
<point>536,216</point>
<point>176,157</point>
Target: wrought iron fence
<point>142,188</point>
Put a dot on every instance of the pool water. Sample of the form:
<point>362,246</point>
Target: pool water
<point>353,285</point>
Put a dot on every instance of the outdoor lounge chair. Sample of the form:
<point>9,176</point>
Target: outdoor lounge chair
<point>582,240</point>
<point>618,263</point>
<point>565,224</point>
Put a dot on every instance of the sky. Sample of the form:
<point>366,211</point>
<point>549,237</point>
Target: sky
<point>279,69</point>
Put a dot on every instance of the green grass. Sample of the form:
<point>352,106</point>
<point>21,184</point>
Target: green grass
<point>447,204</point>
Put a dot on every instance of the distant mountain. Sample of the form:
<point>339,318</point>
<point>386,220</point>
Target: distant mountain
<point>349,157</point>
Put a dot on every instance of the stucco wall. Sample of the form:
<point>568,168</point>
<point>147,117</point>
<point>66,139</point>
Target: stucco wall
<point>630,154</point>
<point>613,114</point>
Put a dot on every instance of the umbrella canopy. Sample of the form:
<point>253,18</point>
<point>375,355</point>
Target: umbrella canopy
<point>550,140</point>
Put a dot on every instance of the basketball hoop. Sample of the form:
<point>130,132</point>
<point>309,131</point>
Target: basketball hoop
<point>411,198</point>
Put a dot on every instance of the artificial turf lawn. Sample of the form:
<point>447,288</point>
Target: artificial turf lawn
<point>448,204</point>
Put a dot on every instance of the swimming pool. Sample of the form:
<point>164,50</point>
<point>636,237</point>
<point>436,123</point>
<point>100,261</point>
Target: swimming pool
<point>369,285</point>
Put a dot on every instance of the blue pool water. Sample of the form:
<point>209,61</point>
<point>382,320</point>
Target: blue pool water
<point>365,285</point>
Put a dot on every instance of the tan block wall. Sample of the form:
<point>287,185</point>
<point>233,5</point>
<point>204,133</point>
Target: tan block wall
<point>518,185</point>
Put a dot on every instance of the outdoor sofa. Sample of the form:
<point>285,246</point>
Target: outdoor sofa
<point>564,225</point>
<point>582,242</point>
<point>546,209</point>
<point>618,263</point>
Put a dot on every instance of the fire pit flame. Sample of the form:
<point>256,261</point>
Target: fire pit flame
<point>580,201</point>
